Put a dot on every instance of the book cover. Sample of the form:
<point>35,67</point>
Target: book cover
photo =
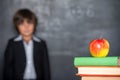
<point>99,71</point>
<point>100,78</point>
<point>94,61</point>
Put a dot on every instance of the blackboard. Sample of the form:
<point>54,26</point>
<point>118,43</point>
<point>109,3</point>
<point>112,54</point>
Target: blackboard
<point>68,26</point>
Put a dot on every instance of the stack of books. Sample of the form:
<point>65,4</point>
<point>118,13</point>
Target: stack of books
<point>92,68</point>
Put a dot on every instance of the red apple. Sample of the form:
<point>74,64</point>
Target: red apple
<point>99,47</point>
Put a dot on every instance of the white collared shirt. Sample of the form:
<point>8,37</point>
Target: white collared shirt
<point>29,72</point>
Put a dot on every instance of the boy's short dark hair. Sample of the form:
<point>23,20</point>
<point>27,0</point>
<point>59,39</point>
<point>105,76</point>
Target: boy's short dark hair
<point>23,14</point>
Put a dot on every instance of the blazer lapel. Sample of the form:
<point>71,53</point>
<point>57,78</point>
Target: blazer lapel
<point>21,55</point>
<point>35,49</point>
<point>22,50</point>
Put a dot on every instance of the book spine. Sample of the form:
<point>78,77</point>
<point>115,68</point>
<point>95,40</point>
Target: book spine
<point>91,61</point>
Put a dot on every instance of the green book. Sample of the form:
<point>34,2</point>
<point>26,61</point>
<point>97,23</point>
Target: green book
<point>93,61</point>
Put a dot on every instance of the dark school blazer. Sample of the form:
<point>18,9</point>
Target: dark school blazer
<point>15,60</point>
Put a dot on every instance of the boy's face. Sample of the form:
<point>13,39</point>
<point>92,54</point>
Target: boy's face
<point>26,28</point>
